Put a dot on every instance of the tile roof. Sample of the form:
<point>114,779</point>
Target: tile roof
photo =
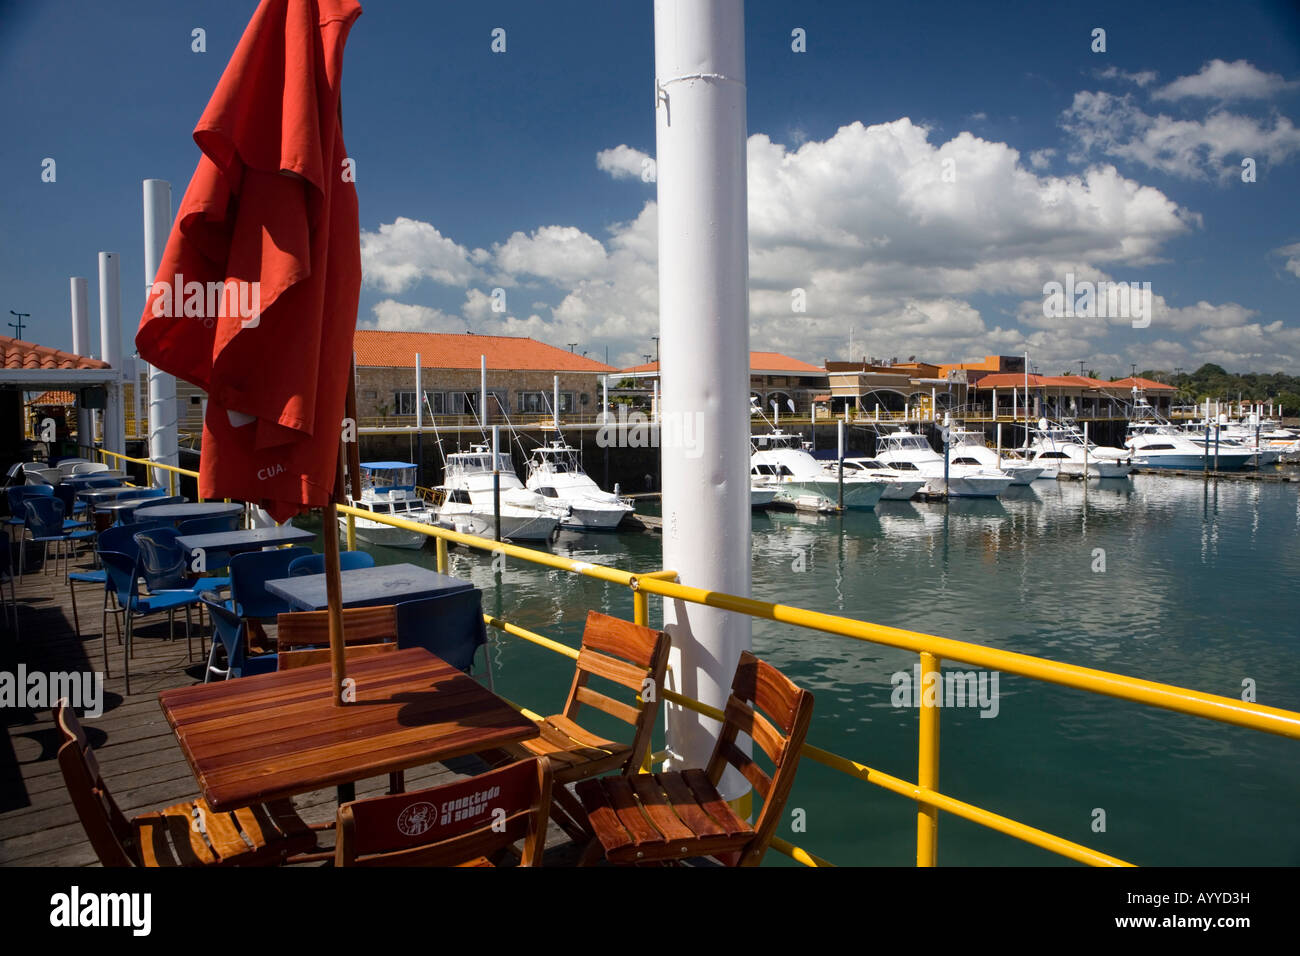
<point>54,398</point>
<point>376,348</point>
<point>17,354</point>
<point>1144,383</point>
<point>758,362</point>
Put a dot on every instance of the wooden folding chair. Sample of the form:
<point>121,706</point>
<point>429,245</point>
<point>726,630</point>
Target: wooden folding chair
<point>648,818</point>
<point>626,654</point>
<point>458,824</point>
<point>186,834</point>
<point>302,638</point>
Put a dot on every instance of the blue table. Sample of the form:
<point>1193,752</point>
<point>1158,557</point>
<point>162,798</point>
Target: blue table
<point>188,510</point>
<point>368,587</point>
<point>244,539</point>
<point>95,496</point>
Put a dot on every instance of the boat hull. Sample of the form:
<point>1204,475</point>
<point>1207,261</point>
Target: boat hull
<point>372,532</point>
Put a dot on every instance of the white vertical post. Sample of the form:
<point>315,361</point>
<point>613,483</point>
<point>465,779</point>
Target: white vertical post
<point>704,346</point>
<point>654,403</point>
<point>81,346</point>
<point>482,390</point>
<point>110,346</point>
<point>555,405</point>
<point>164,437</point>
<point>419,396</point>
<point>604,407</point>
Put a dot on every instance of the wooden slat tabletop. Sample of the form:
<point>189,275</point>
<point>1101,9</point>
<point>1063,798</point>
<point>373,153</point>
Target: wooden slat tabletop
<point>276,735</point>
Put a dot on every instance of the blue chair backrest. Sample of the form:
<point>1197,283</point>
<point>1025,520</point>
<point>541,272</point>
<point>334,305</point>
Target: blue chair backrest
<point>449,625</point>
<point>315,563</point>
<point>226,628</point>
<point>121,538</point>
<point>44,516</point>
<point>100,483</point>
<point>249,574</point>
<point>162,560</point>
<point>122,571</point>
<point>210,525</point>
<point>20,493</point>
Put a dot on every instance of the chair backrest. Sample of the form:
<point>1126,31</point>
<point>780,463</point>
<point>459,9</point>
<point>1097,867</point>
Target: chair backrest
<point>44,516</point>
<point>315,563</point>
<point>214,525</point>
<point>66,466</point>
<point>366,630</point>
<point>449,625</point>
<point>455,823</point>
<point>89,468</point>
<point>249,574</point>
<point>109,831</point>
<point>227,629</point>
<point>162,560</point>
<point>627,654</point>
<point>17,494</point>
<point>121,538</point>
<point>122,575</point>
<point>758,686</point>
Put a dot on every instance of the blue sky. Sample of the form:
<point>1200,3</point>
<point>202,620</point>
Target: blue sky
<point>520,170</point>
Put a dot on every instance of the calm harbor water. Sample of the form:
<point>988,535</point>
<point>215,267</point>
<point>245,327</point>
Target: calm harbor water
<point>1199,589</point>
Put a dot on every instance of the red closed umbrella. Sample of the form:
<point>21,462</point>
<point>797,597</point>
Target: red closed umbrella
<point>255,300</point>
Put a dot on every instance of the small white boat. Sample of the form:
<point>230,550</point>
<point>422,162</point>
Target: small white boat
<point>388,488</point>
<point>464,499</point>
<point>555,471</point>
<point>760,494</point>
<point>1063,445</point>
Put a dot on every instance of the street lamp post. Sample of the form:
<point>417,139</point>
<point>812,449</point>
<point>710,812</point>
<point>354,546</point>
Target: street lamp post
<point>18,326</point>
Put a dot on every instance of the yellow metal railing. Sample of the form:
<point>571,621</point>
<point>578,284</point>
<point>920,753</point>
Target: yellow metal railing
<point>932,651</point>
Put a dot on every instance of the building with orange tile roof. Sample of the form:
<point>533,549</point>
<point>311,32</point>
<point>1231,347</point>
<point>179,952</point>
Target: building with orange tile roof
<point>773,377</point>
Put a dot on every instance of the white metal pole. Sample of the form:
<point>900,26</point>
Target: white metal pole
<point>110,345</point>
<point>482,390</point>
<point>604,408</point>
<point>555,405</point>
<point>164,436</point>
<point>704,348</point>
<point>81,346</point>
<point>654,402</point>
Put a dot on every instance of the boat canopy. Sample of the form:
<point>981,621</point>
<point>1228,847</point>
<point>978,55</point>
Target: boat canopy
<point>385,477</point>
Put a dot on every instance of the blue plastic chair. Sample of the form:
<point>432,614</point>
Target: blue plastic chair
<point>45,524</point>
<point>249,573</point>
<point>122,540</point>
<point>315,563</point>
<point>449,625</point>
<point>6,568</point>
<point>124,581</point>
<point>228,631</point>
<point>17,494</point>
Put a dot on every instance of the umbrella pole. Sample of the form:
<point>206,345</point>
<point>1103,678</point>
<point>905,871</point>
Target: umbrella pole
<point>342,692</point>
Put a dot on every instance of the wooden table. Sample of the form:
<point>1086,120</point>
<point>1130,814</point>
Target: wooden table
<point>276,735</point>
<point>368,587</point>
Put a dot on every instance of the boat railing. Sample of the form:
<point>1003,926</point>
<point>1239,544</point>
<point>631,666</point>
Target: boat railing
<point>931,650</point>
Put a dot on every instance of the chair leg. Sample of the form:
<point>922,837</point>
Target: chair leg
<point>76,621</point>
<point>126,650</point>
<point>189,644</point>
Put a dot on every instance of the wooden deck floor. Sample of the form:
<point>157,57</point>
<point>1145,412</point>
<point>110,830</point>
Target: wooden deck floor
<point>140,758</point>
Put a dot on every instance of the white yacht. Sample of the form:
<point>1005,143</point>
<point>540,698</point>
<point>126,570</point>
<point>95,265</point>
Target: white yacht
<point>779,460</point>
<point>1063,445</point>
<point>898,486</point>
<point>911,454</point>
<point>465,499</point>
<point>388,488</point>
<point>761,493</point>
<point>555,472</point>
<point>967,447</point>
<point>1155,443</point>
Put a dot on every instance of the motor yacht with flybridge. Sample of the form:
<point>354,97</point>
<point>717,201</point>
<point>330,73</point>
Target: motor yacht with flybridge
<point>779,460</point>
<point>388,488</point>
<point>1062,444</point>
<point>967,446</point>
<point>555,472</point>
<point>465,499</point>
<point>1156,443</point>
<point>910,453</point>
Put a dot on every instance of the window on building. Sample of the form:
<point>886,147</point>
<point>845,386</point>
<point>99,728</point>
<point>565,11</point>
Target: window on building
<point>434,403</point>
<point>404,403</point>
